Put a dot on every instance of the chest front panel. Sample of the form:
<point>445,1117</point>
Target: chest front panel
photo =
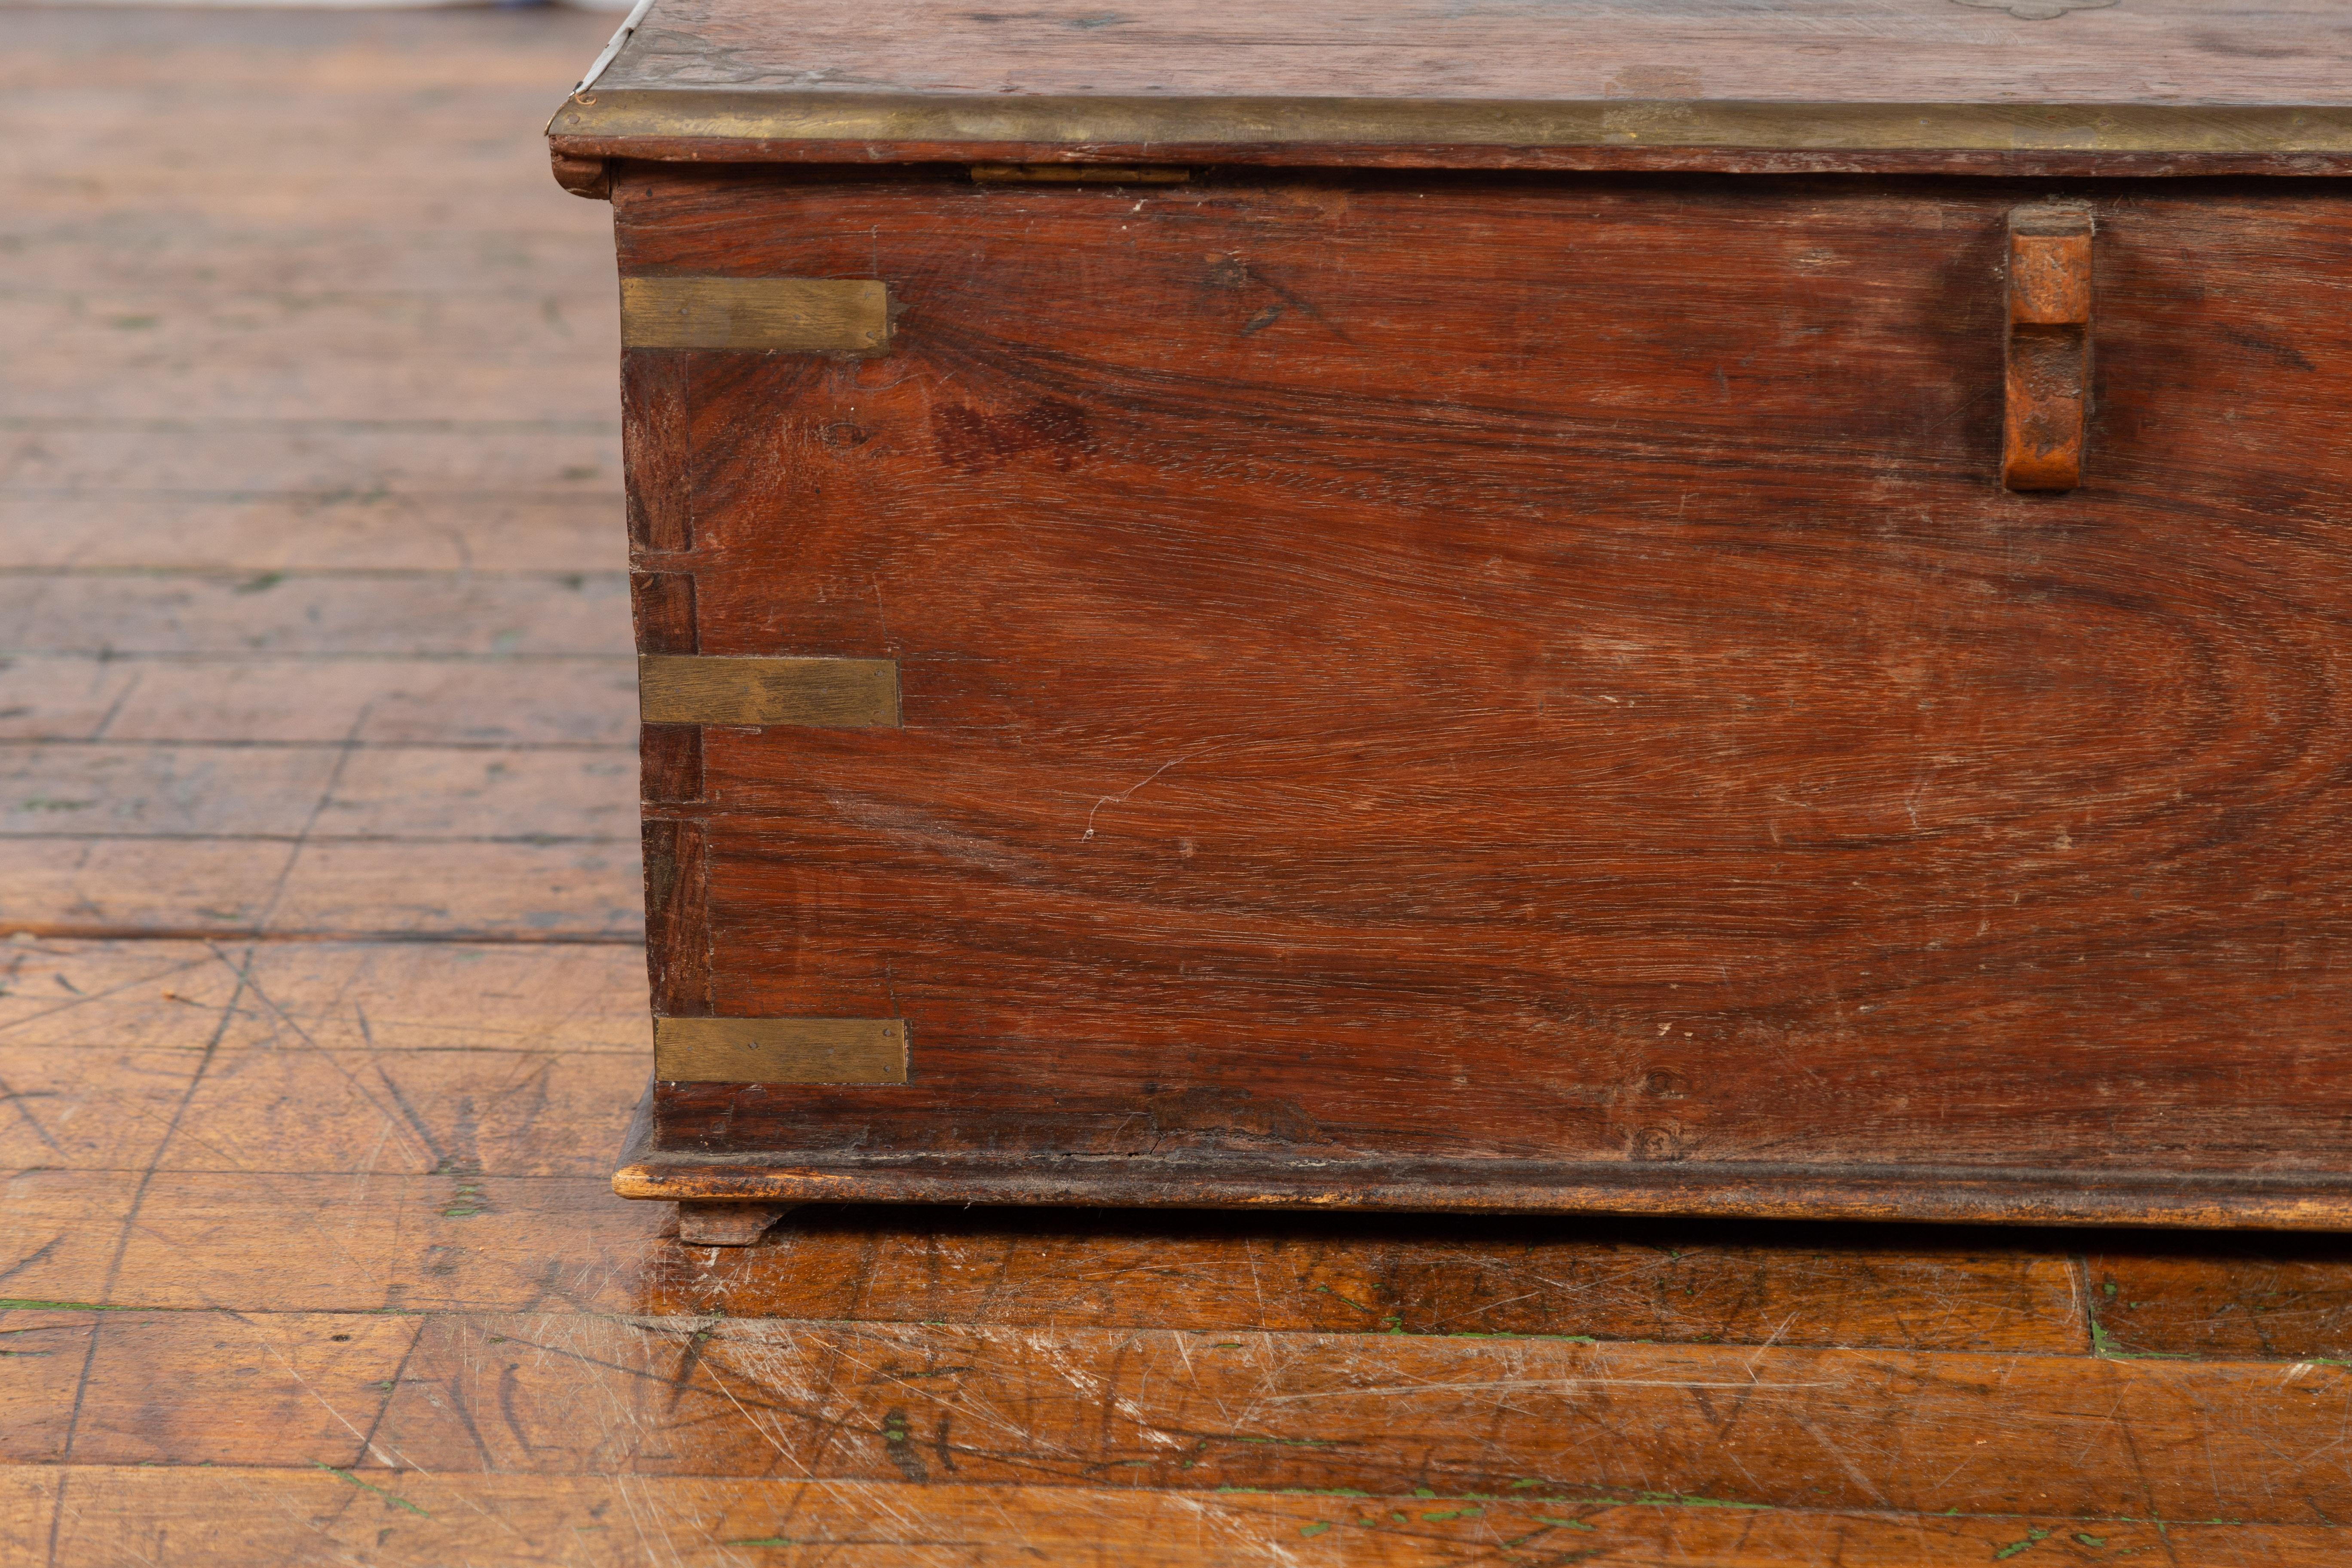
<point>1513,679</point>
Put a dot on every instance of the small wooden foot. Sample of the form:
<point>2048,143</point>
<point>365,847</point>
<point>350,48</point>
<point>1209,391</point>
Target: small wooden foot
<point>726,1224</point>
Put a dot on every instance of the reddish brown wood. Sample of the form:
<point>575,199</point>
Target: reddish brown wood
<point>670,761</point>
<point>662,604</point>
<point>2283,1297</point>
<point>677,921</point>
<point>583,175</point>
<point>1449,1275</point>
<point>1470,1418</point>
<point>654,442</point>
<point>1391,675</point>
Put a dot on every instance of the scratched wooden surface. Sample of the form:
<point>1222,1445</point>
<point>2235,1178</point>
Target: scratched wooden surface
<point>1335,732</point>
<point>1934,51</point>
<point>2063,88</point>
<point>326,1008</point>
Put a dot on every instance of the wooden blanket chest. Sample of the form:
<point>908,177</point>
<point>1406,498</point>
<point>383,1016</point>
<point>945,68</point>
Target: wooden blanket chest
<point>1720,606</point>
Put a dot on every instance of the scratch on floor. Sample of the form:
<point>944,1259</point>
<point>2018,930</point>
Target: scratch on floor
<point>1531,1384</point>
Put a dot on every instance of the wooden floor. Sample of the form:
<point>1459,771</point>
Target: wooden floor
<point>324,1009</point>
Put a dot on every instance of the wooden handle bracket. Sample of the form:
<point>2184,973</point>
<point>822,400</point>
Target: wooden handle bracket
<point>2049,377</point>
<point>589,177</point>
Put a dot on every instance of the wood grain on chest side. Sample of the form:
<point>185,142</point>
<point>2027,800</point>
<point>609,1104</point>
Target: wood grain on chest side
<point>1522,677</point>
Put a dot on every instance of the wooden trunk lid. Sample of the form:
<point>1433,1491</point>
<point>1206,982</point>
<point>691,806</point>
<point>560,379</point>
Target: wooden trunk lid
<point>1989,86</point>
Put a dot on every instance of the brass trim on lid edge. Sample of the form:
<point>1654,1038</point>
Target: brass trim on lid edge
<point>1081,121</point>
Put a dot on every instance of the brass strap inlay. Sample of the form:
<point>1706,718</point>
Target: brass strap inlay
<point>1191,123</point>
<point>796,315</point>
<point>780,1050</point>
<point>711,689</point>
